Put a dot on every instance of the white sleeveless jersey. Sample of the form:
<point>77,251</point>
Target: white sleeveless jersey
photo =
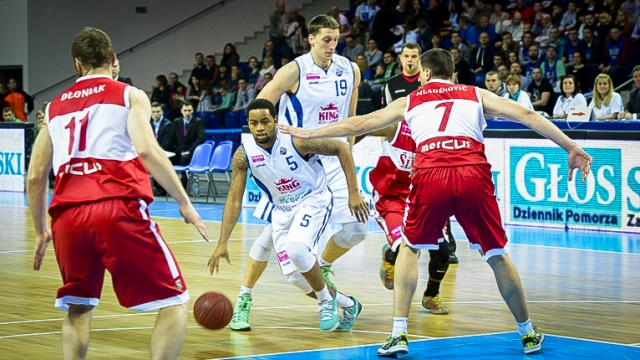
<point>93,156</point>
<point>446,122</point>
<point>283,174</point>
<point>322,98</point>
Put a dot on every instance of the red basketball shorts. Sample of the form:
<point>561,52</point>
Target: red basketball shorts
<point>116,235</point>
<point>464,191</point>
<point>390,213</point>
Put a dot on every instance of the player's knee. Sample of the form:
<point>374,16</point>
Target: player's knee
<point>300,282</point>
<point>300,255</point>
<point>262,247</point>
<point>441,256</point>
<point>350,235</point>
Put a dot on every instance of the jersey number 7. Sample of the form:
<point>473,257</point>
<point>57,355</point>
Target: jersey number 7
<point>447,112</point>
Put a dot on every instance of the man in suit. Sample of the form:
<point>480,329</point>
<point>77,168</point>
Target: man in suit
<point>188,133</point>
<point>115,74</point>
<point>632,110</point>
<point>163,131</point>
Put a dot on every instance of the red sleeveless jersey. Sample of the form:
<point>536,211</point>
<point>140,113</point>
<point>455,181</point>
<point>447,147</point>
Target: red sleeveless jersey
<point>391,175</point>
<point>93,156</point>
<point>446,122</point>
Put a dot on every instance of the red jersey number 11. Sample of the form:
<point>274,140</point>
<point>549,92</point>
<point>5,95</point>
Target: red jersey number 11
<point>82,146</point>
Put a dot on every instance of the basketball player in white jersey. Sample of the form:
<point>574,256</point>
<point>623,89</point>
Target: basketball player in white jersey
<point>317,89</point>
<point>452,177</point>
<point>290,173</point>
<point>100,146</point>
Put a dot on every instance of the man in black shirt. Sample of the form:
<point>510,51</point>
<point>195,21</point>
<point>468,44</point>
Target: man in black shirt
<point>540,92</point>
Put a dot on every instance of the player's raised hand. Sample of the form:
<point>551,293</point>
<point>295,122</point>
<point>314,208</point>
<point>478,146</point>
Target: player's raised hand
<point>221,251</point>
<point>579,159</point>
<point>191,216</point>
<point>358,207</point>
<point>295,131</point>
<point>42,240</point>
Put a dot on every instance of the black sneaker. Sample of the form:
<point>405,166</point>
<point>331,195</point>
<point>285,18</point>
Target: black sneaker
<point>395,345</point>
<point>532,342</point>
<point>453,259</point>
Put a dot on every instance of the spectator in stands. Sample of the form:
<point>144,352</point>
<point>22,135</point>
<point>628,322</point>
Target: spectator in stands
<point>267,79</point>
<point>373,55</point>
<point>244,97</point>
<point>605,21</point>
<point>515,92</point>
<point>515,27</point>
<point>173,82</point>
<point>498,15</point>
<point>527,13</point>
<point>254,71</point>
<point>512,57</point>
<point>482,59</point>
<point>15,100</point>
<point>570,17</point>
<point>589,23</point>
<point>606,103</point>
<point>580,71</point>
<point>402,12</point>
<point>543,31</point>
<point>507,45</point>
<point>267,67</point>
<point>14,86</point>
<point>516,69</point>
<point>176,101</point>
<point>224,79</point>
<point>235,77</point>
<point>617,55</point>
<point>9,115</point>
<point>486,27</point>
<point>570,97</point>
<point>468,10</point>
<point>162,92</point>
<point>632,110</point>
<point>210,71</point>
<point>294,15</point>
<point>540,92</point>
<point>456,42</point>
<point>572,46</point>
<point>632,7</point>
<point>493,83</point>
<point>353,49</point>
<point>436,13</point>
<point>39,122</point>
<point>293,31</point>
<point>188,133</point>
<point>527,41</point>
<point>497,61</point>
<point>365,71</point>
<point>345,26</point>
<point>559,42</point>
<point>436,41</point>
<point>268,49</point>
<point>3,92</point>
<point>592,6</point>
<point>467,31</point>
<point>277,21</point>
<point>115,74</point>
<point>503,72</point>
<point>230,56</point>
<point>556,14</point>
<point>534,60</point>
<point>461,70</point>
<point>390,67</point>
<point>205,99</point>
<point>553,68</point>
<point>365,13</point>
<point>483,9</point>
<point>227,102</point>
<point>198,68</point>
<point>194,91</point>
<point>306,46</point>
<point>624,22</point>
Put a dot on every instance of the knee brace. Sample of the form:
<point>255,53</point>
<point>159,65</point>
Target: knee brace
<point>300,282</point>
<point>262,247</point>
<point>440,257</point>
<point>350,235</point>
<point>300,255</point>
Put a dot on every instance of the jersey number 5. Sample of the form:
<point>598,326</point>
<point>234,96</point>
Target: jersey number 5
<point>82,146</point>
<point>447,112</point>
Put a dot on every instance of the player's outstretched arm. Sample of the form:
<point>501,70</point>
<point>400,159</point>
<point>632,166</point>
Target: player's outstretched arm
<point>356,125</point>
<point>39,168</point>
<point>507,109</point>
<point>232,209</point>
<point>332,147</point>
<point>284,80</point>
<point>156,161</point>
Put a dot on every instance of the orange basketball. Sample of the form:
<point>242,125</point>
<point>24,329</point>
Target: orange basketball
<point>213,310</point>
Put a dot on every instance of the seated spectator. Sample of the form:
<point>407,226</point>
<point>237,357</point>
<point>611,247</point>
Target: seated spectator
<point>606,103</point>
<point>390,67</point>
<point>553,68</point>
<point>39,122</point>
<point>572,46</point>
<point>456,42</point>
<point>632,110</point>
<point>540,92</point>
<point>493,83</point>
<point>461,70</point>
<point>161,93</point>
<point>353,49</point>
<point>254,71</point>
<point>515,93</point>
<point>9,116</point>
<point>515,27</point>
<point>570,97</point>
<point>482,59</point>
<point>205,99</point>
<point>580,71</point>
<point>498,15</point>
<point>267,79</point>
<point>194,91</point>
<point>373,55</point>
<point>570,17</point>
<point>173,82</point>
<point>234,78</point>
<point>267,67</point>
<point>244,97</point>
<point>516,69</point>
<point>365,72</point>
<point>227,101</point>
<point>230,56</point>
<point>364,14</point>
<point>497,61</point>
<point>617,55</point>
<point>176,102</point>
<point>293,31</point>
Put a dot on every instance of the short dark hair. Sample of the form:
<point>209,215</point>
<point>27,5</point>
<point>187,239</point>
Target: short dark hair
<point>156,104</point>
<point>635,68</point>
<point>322,22</point>
<point>8,109</point>
<point>412,46</point>
<point>439,61</point>
<point>92,47</point>
<point>258,104</point>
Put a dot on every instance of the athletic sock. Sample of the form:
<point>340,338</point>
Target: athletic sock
<point>399,325</point>
<point>525,328</point>
<point>344,301</point>
<point>245,290</point>
<point>324,295</point>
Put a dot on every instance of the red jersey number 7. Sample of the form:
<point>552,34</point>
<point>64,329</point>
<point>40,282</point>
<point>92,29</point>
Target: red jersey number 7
<point>447,112</point>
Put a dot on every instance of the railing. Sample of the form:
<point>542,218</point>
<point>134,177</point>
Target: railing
<point>145,41</point>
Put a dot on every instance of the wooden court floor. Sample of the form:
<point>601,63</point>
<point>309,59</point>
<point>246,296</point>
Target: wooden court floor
<point>577,293</point>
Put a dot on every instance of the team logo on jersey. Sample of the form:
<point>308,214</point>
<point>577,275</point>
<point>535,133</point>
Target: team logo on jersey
<point>328,114</point>
<point>287,185</point>
<point>257,158</point>
<point>283,151</point>
<point>312,76</point>
<point>339,72</point>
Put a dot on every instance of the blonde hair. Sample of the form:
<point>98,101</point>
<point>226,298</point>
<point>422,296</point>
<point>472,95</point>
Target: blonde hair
<point>598,99</point>
<point>513,78</point>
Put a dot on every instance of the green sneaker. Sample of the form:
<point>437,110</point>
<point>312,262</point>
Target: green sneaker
<point>240,318</point>
<point>326,271</point>
<point>532,342</point>
<point>394,346</point>
<point>329,318</point>
<point>349,315</point>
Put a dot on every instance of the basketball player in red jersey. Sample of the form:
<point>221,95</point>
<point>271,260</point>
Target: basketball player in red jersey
<point>452,177</point>
<point>100,145</point>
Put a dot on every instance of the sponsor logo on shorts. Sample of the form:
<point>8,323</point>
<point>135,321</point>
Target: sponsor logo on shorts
<point>282,256</point>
